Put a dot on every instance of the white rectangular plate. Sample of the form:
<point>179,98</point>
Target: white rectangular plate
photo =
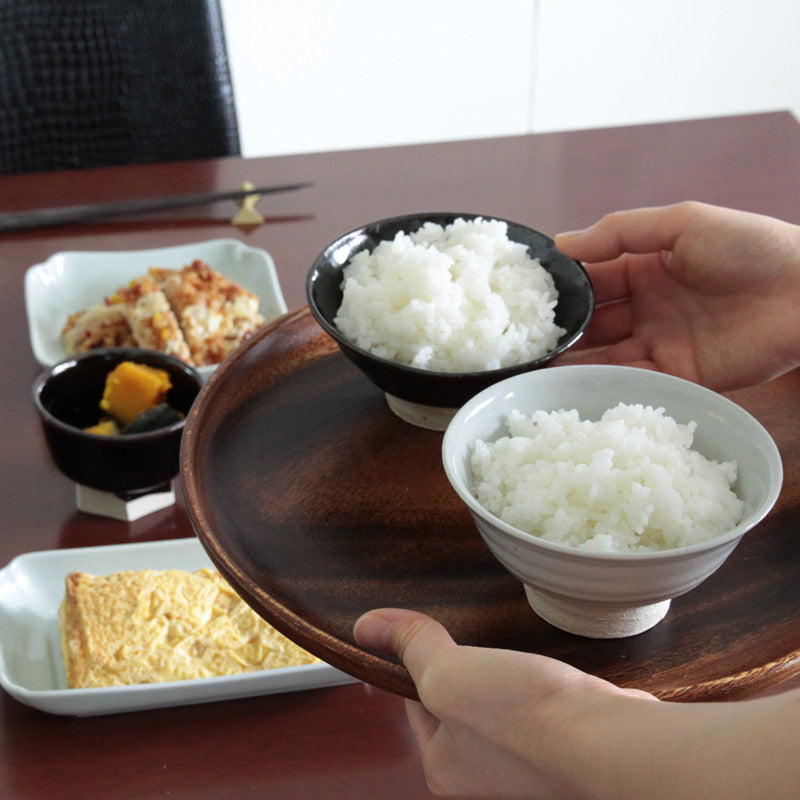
<point>73,281</point>
<point>31,667</point>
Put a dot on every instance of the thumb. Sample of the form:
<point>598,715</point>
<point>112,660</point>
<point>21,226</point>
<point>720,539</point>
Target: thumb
<point>414,638</point>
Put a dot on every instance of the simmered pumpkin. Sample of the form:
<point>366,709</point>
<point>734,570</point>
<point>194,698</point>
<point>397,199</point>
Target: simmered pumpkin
<point>133,388</point>
<point>106,427</point>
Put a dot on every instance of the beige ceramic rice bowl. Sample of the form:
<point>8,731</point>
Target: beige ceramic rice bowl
<point>663,502</point>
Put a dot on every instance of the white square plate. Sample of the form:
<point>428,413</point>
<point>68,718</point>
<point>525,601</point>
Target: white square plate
<point>73,281</point>
<point>31,667</point>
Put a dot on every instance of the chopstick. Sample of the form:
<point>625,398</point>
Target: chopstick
<point>70,215</point>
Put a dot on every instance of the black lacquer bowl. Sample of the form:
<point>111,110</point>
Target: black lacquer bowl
<point>66,397</point>
<point>422,396</point>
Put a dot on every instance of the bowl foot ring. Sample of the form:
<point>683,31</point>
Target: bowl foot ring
<point>431,417</point>
<point>594,620</point>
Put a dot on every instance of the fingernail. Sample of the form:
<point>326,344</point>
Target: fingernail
<point>372,630</point>
<point>569,233</point>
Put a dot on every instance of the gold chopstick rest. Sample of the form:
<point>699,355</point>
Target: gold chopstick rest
<point>248,214</point>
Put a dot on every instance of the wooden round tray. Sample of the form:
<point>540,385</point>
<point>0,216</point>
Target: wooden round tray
<point>317,503</point>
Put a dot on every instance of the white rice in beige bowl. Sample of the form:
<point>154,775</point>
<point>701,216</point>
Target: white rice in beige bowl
<point>606,511</point>
<point>630,482</point>
<point>456,298</point>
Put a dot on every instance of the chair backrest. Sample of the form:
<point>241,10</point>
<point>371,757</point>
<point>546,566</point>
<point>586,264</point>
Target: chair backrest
<point>88,83</point>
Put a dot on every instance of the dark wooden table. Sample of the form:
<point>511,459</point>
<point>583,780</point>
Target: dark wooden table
<point>349,741</point>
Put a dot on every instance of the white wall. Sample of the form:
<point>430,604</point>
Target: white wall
<point>319,75</point>
<point>314,75</point>
<point>628,61</point>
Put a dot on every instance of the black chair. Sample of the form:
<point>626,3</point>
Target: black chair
<point>87,83</point>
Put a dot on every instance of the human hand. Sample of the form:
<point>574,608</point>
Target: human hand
<point>498,723</point>
<point>705,293</point>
